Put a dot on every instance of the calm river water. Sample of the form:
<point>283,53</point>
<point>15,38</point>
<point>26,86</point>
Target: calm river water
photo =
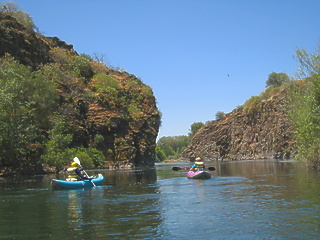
<point>242,200</point>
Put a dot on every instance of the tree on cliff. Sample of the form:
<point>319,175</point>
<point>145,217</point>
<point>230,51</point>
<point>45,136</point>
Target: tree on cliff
<point>195,127</point>
<point>10,8</point>
<point>220,115</point>
<point>305,107</point>
<point>277,79</point>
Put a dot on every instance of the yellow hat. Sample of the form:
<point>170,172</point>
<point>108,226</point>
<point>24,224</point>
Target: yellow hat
<point>74,164</point>
<point>198,159</point>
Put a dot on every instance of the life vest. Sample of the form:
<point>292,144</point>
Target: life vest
<point>72,176</point>
<point>199,165</point>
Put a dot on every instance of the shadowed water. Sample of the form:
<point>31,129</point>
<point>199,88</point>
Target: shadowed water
<point>242,200</point>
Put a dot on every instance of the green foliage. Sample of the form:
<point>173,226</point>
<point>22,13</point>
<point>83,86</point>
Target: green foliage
<point>98,139</point>
<point>277,79</point>
<point>269,92</point>
<point>62,58</point>
<point>59,152</point>
<point>133,84</point>
<point>12,9</point>
<point>135,111</point>
<point>220,115</point>
<point>105,83</point>
<point>160,155</point>
<point>252,105</point>
<point>172,147</point>
<point>195,128</point>
<point>82,67</point>
<point>309,63</point>
<point>89,157</point>
<point>108,87</point>
<point>26,102</point>
<point>305,107</point>
<point>305,116</point>
<point>146,91</point>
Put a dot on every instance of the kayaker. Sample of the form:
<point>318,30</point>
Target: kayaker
<point>198,164</point>
<point>75,172</point>
<point>80,173</point>
<point>72,175</point>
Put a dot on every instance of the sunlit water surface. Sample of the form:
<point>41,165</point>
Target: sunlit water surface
<point>242,200</point>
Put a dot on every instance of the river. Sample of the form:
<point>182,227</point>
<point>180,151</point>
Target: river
<point>243,200</point>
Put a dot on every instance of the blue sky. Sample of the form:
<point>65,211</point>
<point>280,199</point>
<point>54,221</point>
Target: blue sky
<point>185,49</point>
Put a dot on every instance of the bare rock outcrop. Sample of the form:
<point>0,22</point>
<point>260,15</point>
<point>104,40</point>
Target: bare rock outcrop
<point>263,133</point>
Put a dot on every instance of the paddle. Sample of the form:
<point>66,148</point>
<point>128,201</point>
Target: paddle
<point>179,168</point>
<point>78,161</point>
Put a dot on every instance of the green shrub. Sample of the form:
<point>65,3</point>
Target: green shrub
<point>269,92</point>
<point>62,57</point>
<point>146,90</point>
<point>82,67</point>
<point>251,106</point>
<point>220,115</point>
<point>57,151</point>
<point>135,112</point>
<point>104,82</point>
<point>304,108</point>
<point>277,79</point>
<point>26,104</point>
<point>12,9</point>
<point>89,157</point>
<point>160,155</point>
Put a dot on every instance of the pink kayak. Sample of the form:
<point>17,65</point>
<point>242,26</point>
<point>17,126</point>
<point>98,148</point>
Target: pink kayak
<point>199,175</point>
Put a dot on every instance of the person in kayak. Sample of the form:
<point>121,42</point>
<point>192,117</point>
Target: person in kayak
<point>75,172</point>
<point>79,171</point>
<point>198,165</point>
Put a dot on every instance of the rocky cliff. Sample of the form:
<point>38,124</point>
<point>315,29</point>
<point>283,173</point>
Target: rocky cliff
<point>115,107</point>
<point>28,47</point>
<point>261,131</point>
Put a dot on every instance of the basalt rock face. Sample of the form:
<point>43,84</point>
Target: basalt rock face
<point>125,118</point>
<point>264,133</point>
<point>25,45</point>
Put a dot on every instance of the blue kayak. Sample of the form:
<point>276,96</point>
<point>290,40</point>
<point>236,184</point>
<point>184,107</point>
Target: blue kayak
<point>64,184</point>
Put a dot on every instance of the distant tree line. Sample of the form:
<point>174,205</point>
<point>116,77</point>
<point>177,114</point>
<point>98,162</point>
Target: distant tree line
<point>171,147</point>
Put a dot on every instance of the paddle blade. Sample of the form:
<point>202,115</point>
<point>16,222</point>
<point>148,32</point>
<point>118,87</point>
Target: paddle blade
<point>211,168</point>
<point>176,168</point>
<point>77,160</point>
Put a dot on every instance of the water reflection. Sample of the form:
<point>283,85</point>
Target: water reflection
<point>132,176</point>
<point>242,200</point>
<point>74,210</point>
<point>125,205</point>
<point>245,200</point>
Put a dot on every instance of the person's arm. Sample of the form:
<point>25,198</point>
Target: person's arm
<point>193,167</point>
<point>78,172</point>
